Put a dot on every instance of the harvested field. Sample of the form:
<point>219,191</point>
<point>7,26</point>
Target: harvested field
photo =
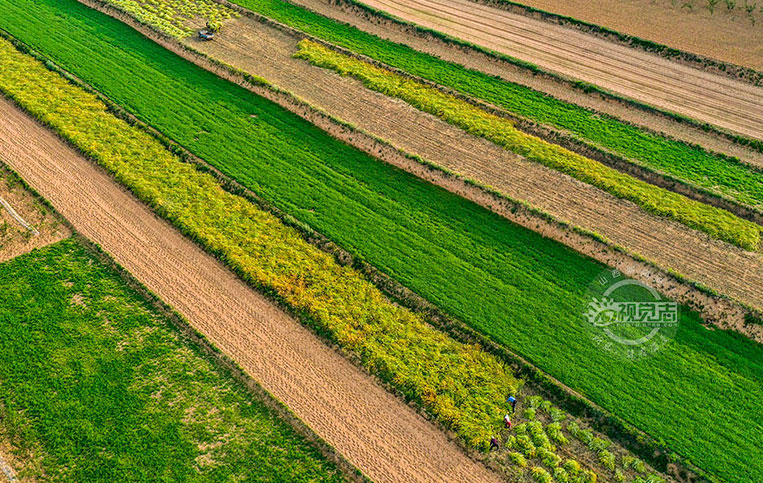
<point>264,51</point>
<point>375,431</point>
<point>472,59</point>
<point>15,239</point>
<point>729,104</point>
<point>726,34</point>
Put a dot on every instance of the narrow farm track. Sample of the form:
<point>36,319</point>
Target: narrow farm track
<point>264,51</point>
<point>375,431</point>
<point>707,97</point>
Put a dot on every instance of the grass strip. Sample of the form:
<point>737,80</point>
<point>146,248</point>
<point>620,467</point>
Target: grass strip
<point>509,283</point>
<point>692,164</point>
<point>716,222</point>
<point>463,386</point>
<point>98,386</point>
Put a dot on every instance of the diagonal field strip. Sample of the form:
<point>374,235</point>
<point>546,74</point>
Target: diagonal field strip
<point>375,431</point>
<point>704,96</point>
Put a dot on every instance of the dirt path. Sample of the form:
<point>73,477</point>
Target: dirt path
<point>261,50</point>
<point>476,60</point>
<point>726,103</point>
<point>15,239</point>
<point>726,35</point>
<point>375,431</point>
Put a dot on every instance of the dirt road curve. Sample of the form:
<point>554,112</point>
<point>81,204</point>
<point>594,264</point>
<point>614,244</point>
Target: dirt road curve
<point>375,431</point>
<point>707,97</point>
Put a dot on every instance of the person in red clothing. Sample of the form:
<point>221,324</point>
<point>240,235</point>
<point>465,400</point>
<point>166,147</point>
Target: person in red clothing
<point>507,421</point>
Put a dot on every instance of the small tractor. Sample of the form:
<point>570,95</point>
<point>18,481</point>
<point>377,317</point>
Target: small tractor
<point>209,32</point>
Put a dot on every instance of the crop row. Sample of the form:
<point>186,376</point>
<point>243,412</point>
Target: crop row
<point>695,166</point>
<point>714,221</point>
<point>460,384</point>
<point>98,386</point>
<point>521,290</point>
<point>543,436</point>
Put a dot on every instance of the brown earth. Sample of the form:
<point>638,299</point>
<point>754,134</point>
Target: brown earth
<point>264,51</point>
<point>16,240</point>
<point>375,431</point>
<point>718,100</point>
<point>725,34</point>
<point>479,61</point>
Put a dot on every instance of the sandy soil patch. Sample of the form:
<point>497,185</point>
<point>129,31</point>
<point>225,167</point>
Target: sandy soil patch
<point>374,430</point>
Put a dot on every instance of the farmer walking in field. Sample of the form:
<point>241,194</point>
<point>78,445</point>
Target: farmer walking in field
<point>507,421</point>
<point>513,401</point>
<point>493,443</point>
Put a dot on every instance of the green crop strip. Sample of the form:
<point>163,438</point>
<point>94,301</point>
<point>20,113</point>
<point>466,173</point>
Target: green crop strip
<point>460,384</point>
<point>716,222</point>
<point>97,386</point>
<point>730,178</point>
<point>519,289</point>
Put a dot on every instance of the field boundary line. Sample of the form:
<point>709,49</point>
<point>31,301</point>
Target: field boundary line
<point>359,8</point>
<point>18,217</point>
<point>634,438</point>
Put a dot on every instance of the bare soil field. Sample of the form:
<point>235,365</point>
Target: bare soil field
<point>374,430</point>
<point>264,51</point>
<point>15,239</point>
<point>725,34</point>
<point>729,104</point>
<point>476,60</point>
